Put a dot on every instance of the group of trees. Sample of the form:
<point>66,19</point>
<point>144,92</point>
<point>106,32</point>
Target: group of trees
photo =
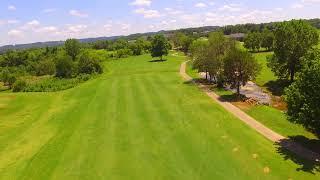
<point>223,62</point>
<point>124,48</point>
<point>293,39</point>
<point>182,42</point>
<point>246,28</point>
<point>297,59</point>
<point>64,62</point>
<point>254,41</point>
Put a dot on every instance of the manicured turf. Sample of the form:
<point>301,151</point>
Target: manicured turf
<point>266,74</point>
<point>276,120</point>
<point>137,121</point>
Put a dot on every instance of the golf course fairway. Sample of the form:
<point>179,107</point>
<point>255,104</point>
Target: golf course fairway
<point>138,120</point>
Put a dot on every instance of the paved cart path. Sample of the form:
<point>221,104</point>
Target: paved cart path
<point>265,131</point>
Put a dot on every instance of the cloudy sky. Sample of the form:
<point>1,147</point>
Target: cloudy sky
<point>23,21</point>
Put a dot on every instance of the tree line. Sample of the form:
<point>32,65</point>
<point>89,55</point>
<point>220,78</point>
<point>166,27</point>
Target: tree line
<point>296,59</point>
<point>68,61</point>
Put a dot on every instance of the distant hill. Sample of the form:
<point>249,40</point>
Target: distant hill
<point>229,29</point>
<point>89,40</point>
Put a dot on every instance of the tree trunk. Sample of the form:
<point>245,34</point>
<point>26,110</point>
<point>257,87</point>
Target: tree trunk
<point>238,89</point>
<point>292,72</point>
<point>160,58</point>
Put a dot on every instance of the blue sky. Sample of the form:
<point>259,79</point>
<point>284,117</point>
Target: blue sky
<point>23,21</point>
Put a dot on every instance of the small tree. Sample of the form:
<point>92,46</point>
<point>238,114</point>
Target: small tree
<point>89,65</point>
<point>64,67</point>
<point>303,96</point>
<point>293,39</point>
<point>45,67</point>
<point>73,48</point>
<point>159,46</point>
<point>240,67</point>
<point>199,54</point>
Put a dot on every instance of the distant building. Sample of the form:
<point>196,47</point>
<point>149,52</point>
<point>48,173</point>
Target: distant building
<point>237,36</point>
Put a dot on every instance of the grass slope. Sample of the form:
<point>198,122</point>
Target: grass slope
<point>138,121</point>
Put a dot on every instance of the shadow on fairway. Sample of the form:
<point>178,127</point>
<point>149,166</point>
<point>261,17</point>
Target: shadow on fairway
<point>157,61</point>
<point>305,165</point>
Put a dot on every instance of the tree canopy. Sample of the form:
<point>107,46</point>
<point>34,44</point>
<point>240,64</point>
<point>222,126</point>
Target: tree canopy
<point>293,39</point>
<point>159,46</point>
<point>303,96</point>
<point>240,67</point>
<point>73,48</point>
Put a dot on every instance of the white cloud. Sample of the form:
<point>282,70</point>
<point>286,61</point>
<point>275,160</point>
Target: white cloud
<point>230,8</point>
<point>12,21</point>
<point>200,5</point>
<point>12,8</point>
<point>33,23</point>
<point>148,13</point>
<point>15,33</point>
<point>78,13</point>
<point>50,10</point>
<point>297,6</point>
<point>141,3</point>
<point>47,29</point>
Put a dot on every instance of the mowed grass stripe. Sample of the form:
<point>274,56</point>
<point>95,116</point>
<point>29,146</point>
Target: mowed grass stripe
<point>51,155</point>
<point>171,126</point>
<point>80,163</point>
<point>159,152</point>
<point>195,145</point>
<point>144,147</point>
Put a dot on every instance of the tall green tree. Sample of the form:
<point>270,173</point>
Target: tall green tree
<point>199,55</point>
<point>267,39</point>
<point>159,46</point>
<point>293,39</point>
<point>253,41</point>
<point>73,48</point>
<point>240,67</point>
<point>303,96</point>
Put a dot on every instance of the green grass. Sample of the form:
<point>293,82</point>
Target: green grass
<point>138,121</point>
<point>276,120</point>
<point>266,74</point>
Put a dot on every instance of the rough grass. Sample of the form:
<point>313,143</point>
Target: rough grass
<point>138,121</point>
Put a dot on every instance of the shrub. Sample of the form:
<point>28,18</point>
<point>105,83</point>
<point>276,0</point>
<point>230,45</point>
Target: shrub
<point>45,67</point>
<point>64,67</point>
<point>19,86</point>
<point>122,53</point>
<point>56,84</point>
<point>11,80</point>
<point>89,65</point>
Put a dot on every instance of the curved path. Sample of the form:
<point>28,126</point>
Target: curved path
<point>265,131</point>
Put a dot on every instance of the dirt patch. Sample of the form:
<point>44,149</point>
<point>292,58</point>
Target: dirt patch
<point>9,97</point>
<point>254,156</point>
<point>278,103</point>
<point>266,170</point>
<point>2,106</point>
<point>243,105</point>
<point>236,149</point>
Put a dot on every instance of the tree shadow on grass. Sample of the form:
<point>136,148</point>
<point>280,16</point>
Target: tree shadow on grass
<point>308,161</point>
<point>157,61</point>
<point>277,87</point>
